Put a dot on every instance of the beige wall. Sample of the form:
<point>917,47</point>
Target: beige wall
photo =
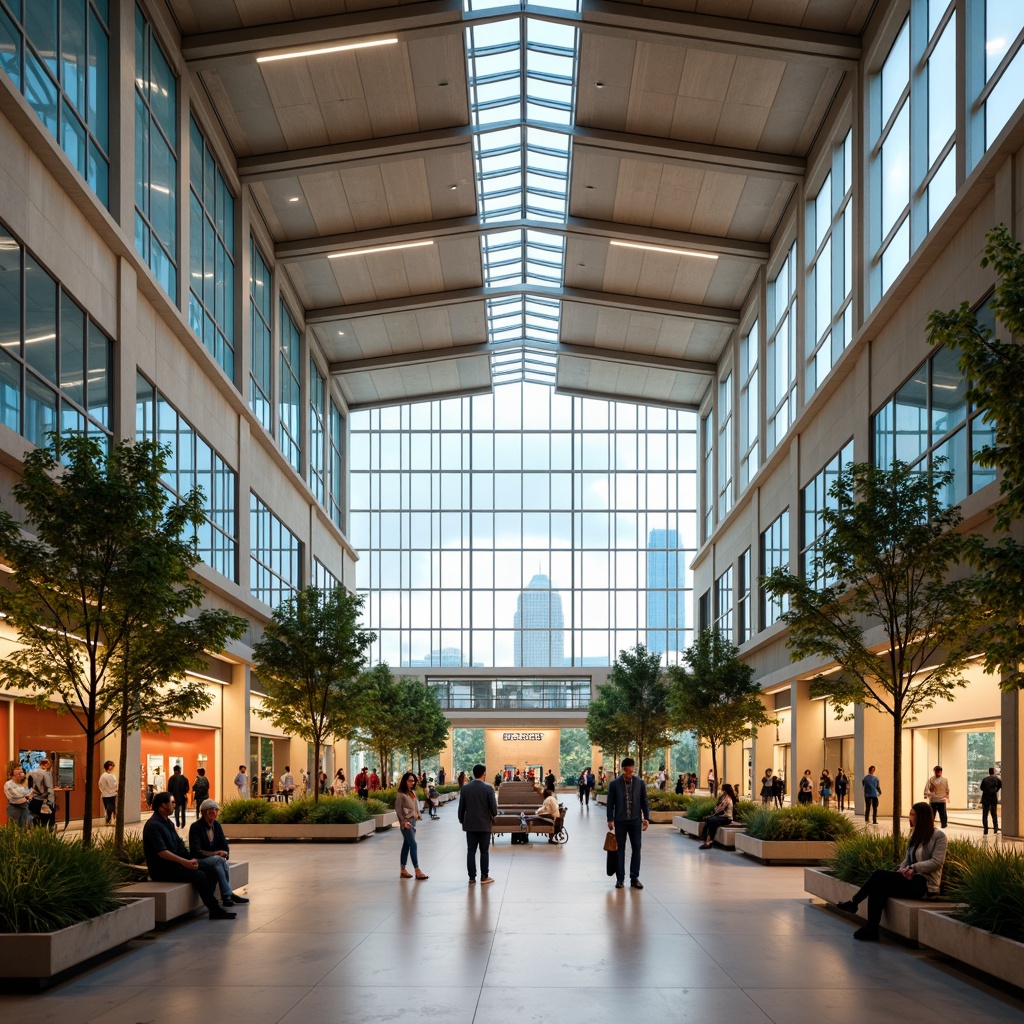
<point>502,748</point>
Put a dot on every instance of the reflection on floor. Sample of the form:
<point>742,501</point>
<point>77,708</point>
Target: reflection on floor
<point>333,936</point>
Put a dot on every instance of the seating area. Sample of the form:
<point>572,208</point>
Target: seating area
<point>172,900</point>
<point>514,800</point>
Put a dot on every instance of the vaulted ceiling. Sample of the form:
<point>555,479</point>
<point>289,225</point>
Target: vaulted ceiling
<point>578,194</point>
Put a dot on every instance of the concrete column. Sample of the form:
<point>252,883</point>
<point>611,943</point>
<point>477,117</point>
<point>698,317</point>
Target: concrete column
<point>873,746</point>
<point>1012,733</point>
<point>234,729</point>
<point>763,747</point>
<point>448,756</point>
<point>808,738</point>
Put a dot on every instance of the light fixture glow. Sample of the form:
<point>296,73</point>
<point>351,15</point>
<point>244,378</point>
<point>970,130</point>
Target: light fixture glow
<point>293,199</point>
<point>665,249</point>
<point>340,48</point>
<point>379,248</point>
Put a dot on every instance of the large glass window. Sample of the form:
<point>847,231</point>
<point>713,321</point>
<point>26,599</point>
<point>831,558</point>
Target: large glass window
<point>724,446</point>
<point>317,431</point>
<point>323,578</point>
<point>724,607</point>
<point>708,497</point>
<point>814,498</point>
<point>58,56</point>
<point>275,556</point>
<point>1001,85</point>
<point>749,418</point>
<point>289,404</point>
<point>336,468</point>
<point>744,618</point>
<point>774,555</point>
<point>156,158</point>
<point>260,337</point>
<point>780,352</point>
<point>55,363</point>
<point>829,310</point>
<point>193,463</point>
<point>469,512</point>
<point>211,300</point>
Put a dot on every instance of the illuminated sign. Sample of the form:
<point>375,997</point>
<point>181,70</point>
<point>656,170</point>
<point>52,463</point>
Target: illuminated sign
<point>520,737</point>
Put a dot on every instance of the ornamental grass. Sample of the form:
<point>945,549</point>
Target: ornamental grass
<point>808,823</point>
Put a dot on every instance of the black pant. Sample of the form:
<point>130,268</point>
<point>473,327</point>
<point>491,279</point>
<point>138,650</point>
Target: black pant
<point>885,884</point>
<point>841,801</point>
<point>180,810</point>
<point>713,824</point>
<point>634,829</point>
<point>939,808</point>
<point>204,882</point>
<point>986,810</point>
<point>109,806</point>
<point>481,841</point>
<point>47,820</point>
<point>871,808</point>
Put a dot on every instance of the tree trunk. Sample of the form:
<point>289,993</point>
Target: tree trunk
<point>714,768</point>
<point>90,775</point>
<point>122,781</point>
<point>897,775</point>
<point>316,769</point>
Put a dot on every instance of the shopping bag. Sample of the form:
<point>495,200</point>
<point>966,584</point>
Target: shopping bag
<point>611,845</point>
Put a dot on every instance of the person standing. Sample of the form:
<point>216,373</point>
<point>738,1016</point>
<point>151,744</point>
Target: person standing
<point>286,786</point>
<point>778,789</point>
<point>662,778</point>
<point>805,791</point>
<point>872,791</point>
<point>628,815</point>
<point>591,783</point>
<point>340,785</point>
<point>842,788</point>
<point>461,780</point>
<point>108,790</point>
<point>40,804</point>
<point>478,807</point>
<point>200,790</point>
<point>549,780</point>
<point>407,807</point>
<point>363,784</point>
<point>178,786</point>
<point>936,792</point>
<point>767,787</point>
<point>17,794</point>
<point>825,787</point>
<point>242,783</point>
<point>711,781</point>
<point>581,784</point>
<point>990,786</point>
<point>441,776</point>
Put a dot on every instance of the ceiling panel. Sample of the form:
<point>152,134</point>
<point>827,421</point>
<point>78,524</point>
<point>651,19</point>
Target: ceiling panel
<point>637,383</point>
<point>405,383</point>
<point>825,15</point>
<point>194,16</point>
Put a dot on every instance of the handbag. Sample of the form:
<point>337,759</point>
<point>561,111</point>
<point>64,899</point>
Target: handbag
<point>46,807</point>
<point>611,844</point>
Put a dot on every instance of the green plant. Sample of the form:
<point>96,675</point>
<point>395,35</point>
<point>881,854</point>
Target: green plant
<point>376,807</point>
<point>294,813</point>
<point>77,882</point>
<point>991,885</point>
<point>857,857</point>
<point>701,808</point>
<point>807,824</point>
<point>338,810</point>
<point>386,797</point>
<point>660,801</point>
<point>247,812</point>
<point>132,854</point>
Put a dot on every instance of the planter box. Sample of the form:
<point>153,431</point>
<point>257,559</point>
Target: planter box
<point>695,829</point>
<point>172,900</point>
<point>725,836</point>
<point>383,822</point>
<point>663,817</point>
<point>602,799</point>
<point>335,833</point>
<point>38,956</point>
<point>785,852</point>
<point>974,947</point>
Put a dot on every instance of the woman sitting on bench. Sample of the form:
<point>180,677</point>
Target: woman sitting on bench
<point>549,810</point>
<point>722,815</point>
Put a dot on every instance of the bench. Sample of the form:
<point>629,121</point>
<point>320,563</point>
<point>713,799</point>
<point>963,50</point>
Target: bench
<point>172,900</point>
<point>514,800</point>
<point>726,835</point>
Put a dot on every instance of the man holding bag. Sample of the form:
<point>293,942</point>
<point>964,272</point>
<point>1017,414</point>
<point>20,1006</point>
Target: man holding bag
<point>628,815</point>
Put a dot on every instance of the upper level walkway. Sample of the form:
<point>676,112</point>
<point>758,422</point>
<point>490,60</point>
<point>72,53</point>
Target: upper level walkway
<point>332,936</point>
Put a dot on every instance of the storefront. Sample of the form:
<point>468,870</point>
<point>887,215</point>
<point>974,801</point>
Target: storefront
<point>189,746</point>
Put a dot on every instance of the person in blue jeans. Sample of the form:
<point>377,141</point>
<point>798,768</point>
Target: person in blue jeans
<point>628,815</point>
<point>872,791</point>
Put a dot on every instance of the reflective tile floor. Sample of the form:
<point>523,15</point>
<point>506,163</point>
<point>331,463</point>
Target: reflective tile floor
<point>333,936</point>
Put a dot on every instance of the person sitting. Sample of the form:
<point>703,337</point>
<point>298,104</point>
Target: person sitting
<point>722,815</point>
<point>917,878</point>
<point>549,810</point>
<point>169,861</point>
<point>208,844</point>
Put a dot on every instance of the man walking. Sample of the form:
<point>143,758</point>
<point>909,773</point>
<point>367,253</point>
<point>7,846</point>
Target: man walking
<point>108,790</point>
<point>478,807</point>
<point>287,784</point>
<point>990,786</point>
<point>178,786</point>
<point>872,791</point>
<point>200,790</point>
<point>628,815</point>
<point>936,792</point>
<point>242,783</point>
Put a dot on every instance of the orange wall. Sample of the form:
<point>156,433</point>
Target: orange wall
<point>5,719</point>
<point>182,741</point>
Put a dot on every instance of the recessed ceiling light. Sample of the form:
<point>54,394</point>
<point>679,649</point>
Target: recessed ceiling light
<point>340,48</point>
<point>378,248</point>
<point>599,85</point>
<point>341,334</point>
<point>293,199</point>
<point>452,188</point>
<point>665,249</point>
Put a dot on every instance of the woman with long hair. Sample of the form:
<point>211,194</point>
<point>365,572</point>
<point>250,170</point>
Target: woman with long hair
<point>407,806</point>
<point>722,815</point>
<point>918,877</point>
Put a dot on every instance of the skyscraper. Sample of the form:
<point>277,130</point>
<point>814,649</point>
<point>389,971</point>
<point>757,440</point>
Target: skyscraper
<point>539,636</point>
<point>665,610</point>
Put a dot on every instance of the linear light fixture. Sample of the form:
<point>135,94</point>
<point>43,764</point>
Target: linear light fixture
<point>378,248</point>
<point>665,249</point>
<point>340,48</point>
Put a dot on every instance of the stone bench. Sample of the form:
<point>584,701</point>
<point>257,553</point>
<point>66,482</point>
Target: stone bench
<point>176,899</point>
<point>726,835</point>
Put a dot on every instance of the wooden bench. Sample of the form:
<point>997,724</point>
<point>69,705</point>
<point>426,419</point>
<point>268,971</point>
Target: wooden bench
<point>172,900</point>
<point>514,800</point>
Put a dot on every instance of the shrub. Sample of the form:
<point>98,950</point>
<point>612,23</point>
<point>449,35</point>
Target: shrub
<point>744,810</point>
<point>991,884</point>
<point>47,883</point>
<point>247,812</point>
<point>859,855</point>
<point>338,810</point>
<point>701,808</point>
<point>126,866</point>
<point>662,801</point>
<point>294,813</point>
<point>803,823</point>
<point>376,807</point>
<point>386,797</point>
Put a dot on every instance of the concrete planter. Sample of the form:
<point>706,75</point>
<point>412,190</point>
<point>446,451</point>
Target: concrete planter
<point>695,829</point>
<point>662,817</point>
<point>785,852</point>
<point>172,900</point>
<point>335,833</point>
<point>383,822</point>
<point>1001,957</point>
<point>38,956</point>
<point>602,799</point>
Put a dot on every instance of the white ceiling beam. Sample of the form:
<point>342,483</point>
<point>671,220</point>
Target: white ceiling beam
<point>431,355</point>
<point>612,396</point>
<point>607,355</point>
<point>430,396</point>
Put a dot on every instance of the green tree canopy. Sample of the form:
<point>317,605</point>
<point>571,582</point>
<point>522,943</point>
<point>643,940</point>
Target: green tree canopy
<point>994,367</point>
<point>310,654</point>
<point>102,594</point>
<point>884,604</point>
<point>378,715</point>
<point>424,722</point>
<point>715,695</point>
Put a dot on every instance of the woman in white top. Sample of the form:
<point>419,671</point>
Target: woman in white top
<point>407,807</point>
<point>40,804</point>
<point>17,797</point>
<point>340,785</point>
<point>549,810</point>
<point>722,815</point>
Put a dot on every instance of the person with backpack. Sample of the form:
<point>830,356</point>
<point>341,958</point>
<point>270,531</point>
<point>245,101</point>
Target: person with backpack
<point>200,790</point>
<point>825,787</point>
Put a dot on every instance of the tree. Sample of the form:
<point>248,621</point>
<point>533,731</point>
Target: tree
<point>377,718</point>
<point>308,658</point>
<point>425,724</point>
<point>715,694</point>
<point>101,594</point>
<point>606,723</point>
<point>882,604</point>
<point>994,368</point>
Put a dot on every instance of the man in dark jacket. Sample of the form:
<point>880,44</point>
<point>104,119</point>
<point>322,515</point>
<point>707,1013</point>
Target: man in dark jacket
<point>200,790</point>
<point>990,786</point>
<point>629,815</point>
<point>178,786</point>
<point>478,806</point>
<point>208,844</point>
<point>168,860</point>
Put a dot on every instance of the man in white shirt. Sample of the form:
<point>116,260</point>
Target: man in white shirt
<point>936,792</point>
<point>242,783</point>
<point>287,784</point>
<point>108,790</point>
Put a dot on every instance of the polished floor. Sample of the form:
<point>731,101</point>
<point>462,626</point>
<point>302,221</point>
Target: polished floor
<point>333,936</point>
